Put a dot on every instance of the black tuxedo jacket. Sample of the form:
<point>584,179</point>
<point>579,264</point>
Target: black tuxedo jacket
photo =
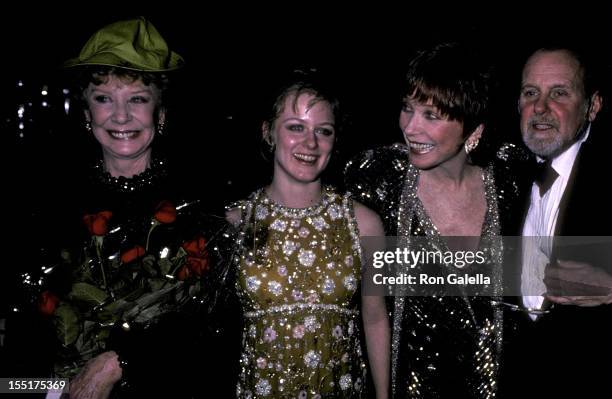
<point>564,351</point>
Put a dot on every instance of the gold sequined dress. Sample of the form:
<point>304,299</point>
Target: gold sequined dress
<point>298,283</point>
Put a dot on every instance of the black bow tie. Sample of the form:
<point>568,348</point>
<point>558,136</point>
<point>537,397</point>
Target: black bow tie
<point>545,176</point>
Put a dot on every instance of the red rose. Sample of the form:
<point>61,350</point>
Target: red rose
<point>197,265</point>
<point>197,259</point>
<point>165,212</point>
<point>47,303</point>
<point>132,254</point>
<point>196,247</point>
<point>98,224</point>
<point>183,273</point>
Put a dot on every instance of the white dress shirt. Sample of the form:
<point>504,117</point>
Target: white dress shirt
<point>540,225</point>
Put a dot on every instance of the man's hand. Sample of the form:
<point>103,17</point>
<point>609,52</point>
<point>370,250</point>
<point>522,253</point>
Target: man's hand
<point>97,378</point>
<point>577,283</point>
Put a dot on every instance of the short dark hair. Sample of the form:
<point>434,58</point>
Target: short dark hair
<point>300,82</point>
<point>455,79</point>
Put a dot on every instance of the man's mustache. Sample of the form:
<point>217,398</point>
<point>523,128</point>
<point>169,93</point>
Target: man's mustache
<point>541,120</point>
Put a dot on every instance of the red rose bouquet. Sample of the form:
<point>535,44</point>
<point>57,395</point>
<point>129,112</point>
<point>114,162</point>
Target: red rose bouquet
<point>114,285</point>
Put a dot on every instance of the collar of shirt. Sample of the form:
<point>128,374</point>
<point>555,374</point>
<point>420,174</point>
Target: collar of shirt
<point>564,162</point>
<point>541,222</point>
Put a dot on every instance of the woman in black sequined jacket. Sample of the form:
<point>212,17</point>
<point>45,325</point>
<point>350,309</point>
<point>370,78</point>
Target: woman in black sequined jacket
<point>446,341</point>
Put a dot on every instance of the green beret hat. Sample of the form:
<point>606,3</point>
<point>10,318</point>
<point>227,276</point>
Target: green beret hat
<point>133,44</point>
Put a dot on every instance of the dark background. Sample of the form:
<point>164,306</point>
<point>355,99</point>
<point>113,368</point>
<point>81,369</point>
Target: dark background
<point>234,53</point>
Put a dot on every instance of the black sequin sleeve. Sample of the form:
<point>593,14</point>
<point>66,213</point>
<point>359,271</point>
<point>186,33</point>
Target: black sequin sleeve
<point>376,177</point>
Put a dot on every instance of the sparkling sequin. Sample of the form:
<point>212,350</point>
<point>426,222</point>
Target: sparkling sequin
<point>253,283</point>
<point>261,212</point>
<point>312,298</point>
<point>279,225</point>
<point>151,177</point>
<point>269,335</point>
<point>334,211</point>
<point>312,359</point>
<point>350,283</point>
<point>328,286</point>
<point>263,388</point>
<point>346,382</point>
<point>311,323</point>
<point>298,331</point>
<point>306,257</point>
<point>319,223</point>
<point>422,325</point>
<point>337,332</point>
<point>275,287</point>
<point>288,247</point>
<point>295,329</point>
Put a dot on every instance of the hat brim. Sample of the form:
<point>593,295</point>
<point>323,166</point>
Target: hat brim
<point>111,60</point>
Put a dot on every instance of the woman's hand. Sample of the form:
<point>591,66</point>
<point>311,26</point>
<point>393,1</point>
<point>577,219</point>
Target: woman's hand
<point>97,378</point>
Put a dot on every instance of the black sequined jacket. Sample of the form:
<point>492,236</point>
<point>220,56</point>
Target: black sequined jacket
<point>376,179</point>
<point>436,325</point>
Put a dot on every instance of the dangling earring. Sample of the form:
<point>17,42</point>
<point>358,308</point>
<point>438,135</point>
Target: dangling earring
<point>470,145</point>
<point>160,128</point>
<point>88,126</point>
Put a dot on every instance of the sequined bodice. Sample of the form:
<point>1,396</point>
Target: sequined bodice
<point>442,346</point>
<point>458,337</point>
<point>298,277</point>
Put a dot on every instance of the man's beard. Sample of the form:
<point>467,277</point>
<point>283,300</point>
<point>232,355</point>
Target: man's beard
<point>547,147</point>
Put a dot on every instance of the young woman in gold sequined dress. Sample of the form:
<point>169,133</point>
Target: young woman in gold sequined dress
<point>298,265</point>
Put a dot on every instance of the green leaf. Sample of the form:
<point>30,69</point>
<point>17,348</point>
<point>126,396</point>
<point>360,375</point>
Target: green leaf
<point>88,344</point>
<point>111,313</point>
<point>180,253</point>
<point>66,322</point>
<point>164,266</point>
<point>156,284</point>
<point>148,264</point>
<point>135,294</point>
<point>87,293</point>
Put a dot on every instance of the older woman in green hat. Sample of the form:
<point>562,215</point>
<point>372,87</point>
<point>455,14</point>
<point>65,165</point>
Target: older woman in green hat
<point>122,78</point>
<point>145,247</point>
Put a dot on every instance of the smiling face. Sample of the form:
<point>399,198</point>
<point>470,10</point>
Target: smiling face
<point>552,103</point>
<point>303,135</point>
<point>433,138</point>
<point>123,117</point>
